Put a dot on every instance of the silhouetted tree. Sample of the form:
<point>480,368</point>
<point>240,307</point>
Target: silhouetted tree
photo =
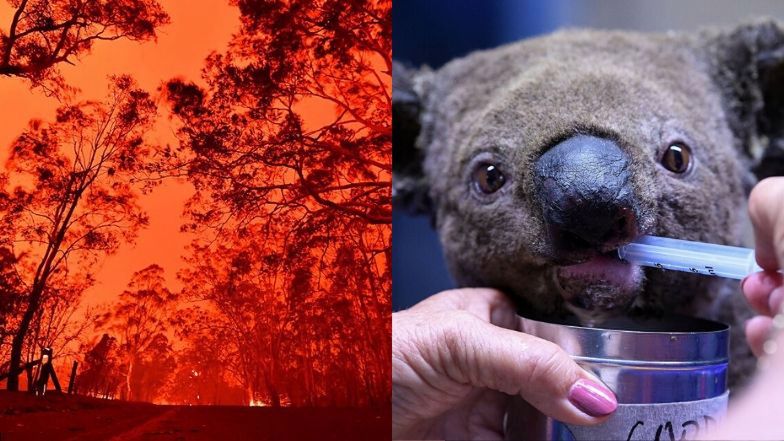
<point>9,304</point>
<point>240,310</point>
<point>153,369</point>
<point>248,144</point>
<point>100,374</point>
<point>140,319</point>
<point>293,327</point>
<point>10,281</point>
<point>45,33</point>
<point>74,185</point>
<point>201,375</point>
<point>59,321</point>
<point>289,149</point>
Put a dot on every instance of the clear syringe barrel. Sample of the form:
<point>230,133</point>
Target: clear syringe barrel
<point>695,257</point>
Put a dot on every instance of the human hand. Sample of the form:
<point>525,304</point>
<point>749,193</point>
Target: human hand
<point>765,290</point>
<point>757,413</point>
<point>457,358</point>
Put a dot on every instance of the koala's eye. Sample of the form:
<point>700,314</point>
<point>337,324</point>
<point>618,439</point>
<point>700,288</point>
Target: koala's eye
<point>488,178</point>
<point>677,158</point>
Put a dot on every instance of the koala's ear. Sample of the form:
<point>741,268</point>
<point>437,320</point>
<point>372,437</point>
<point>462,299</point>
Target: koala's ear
<point>747,62</point>
<point>409,186</point>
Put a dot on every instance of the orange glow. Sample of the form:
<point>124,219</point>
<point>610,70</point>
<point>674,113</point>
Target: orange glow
<point>182,45</point>
<point>273,290</point>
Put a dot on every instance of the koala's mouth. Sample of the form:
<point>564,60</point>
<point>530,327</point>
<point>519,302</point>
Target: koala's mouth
<point>600,287</point>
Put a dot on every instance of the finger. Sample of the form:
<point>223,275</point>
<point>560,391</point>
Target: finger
<point>757,414</point>
<point>758,288</point>
<point>519,364</point>
<point>487,304</point>
<point>775,301</point>
<point>757,332</point>
<point>766,209</point>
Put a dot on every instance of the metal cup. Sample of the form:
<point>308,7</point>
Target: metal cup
<point>669,376</point>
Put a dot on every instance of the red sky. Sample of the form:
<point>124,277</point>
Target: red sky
<point>194,32</point>
<point>196,29</point>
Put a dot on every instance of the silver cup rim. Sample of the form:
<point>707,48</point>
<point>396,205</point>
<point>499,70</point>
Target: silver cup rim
<point>638,347</point>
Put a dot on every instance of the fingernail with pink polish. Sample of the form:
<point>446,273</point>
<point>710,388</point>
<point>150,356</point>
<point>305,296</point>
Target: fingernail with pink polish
<point>592,398</point>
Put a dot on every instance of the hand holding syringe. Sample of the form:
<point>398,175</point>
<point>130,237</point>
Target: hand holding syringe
<point>694,257</point>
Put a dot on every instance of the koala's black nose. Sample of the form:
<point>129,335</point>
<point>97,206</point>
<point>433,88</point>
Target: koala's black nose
<point>586,195</point>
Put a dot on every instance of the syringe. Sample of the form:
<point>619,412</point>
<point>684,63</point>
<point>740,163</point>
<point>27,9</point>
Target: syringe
<point>695,257</point>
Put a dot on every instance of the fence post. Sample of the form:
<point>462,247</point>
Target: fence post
<point>73,378</point>
<point>30,377</point>
<point>46,372</point>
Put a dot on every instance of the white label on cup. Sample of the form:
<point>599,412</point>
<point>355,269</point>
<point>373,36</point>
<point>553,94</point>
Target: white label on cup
<point>656,422</point>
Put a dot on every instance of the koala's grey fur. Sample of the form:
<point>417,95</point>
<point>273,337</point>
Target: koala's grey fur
<point>720,91</point>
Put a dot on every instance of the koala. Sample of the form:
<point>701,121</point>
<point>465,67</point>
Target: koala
<point>536,160</point>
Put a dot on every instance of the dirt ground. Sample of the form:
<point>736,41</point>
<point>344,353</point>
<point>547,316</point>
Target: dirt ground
<point>62,417</point>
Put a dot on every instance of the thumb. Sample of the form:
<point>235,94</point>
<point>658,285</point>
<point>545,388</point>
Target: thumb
<point>766,210</point>
<point>519,364</point>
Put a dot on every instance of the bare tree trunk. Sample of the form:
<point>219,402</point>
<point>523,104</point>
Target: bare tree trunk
<point>128,381</point>
<point>18,341</point>
<point>272,390</point>
<point>250,395</point>
<point>62,220</point>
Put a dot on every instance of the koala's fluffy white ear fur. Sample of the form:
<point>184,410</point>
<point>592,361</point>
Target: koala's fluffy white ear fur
<point>409,186</point>
<point>747,63</point>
